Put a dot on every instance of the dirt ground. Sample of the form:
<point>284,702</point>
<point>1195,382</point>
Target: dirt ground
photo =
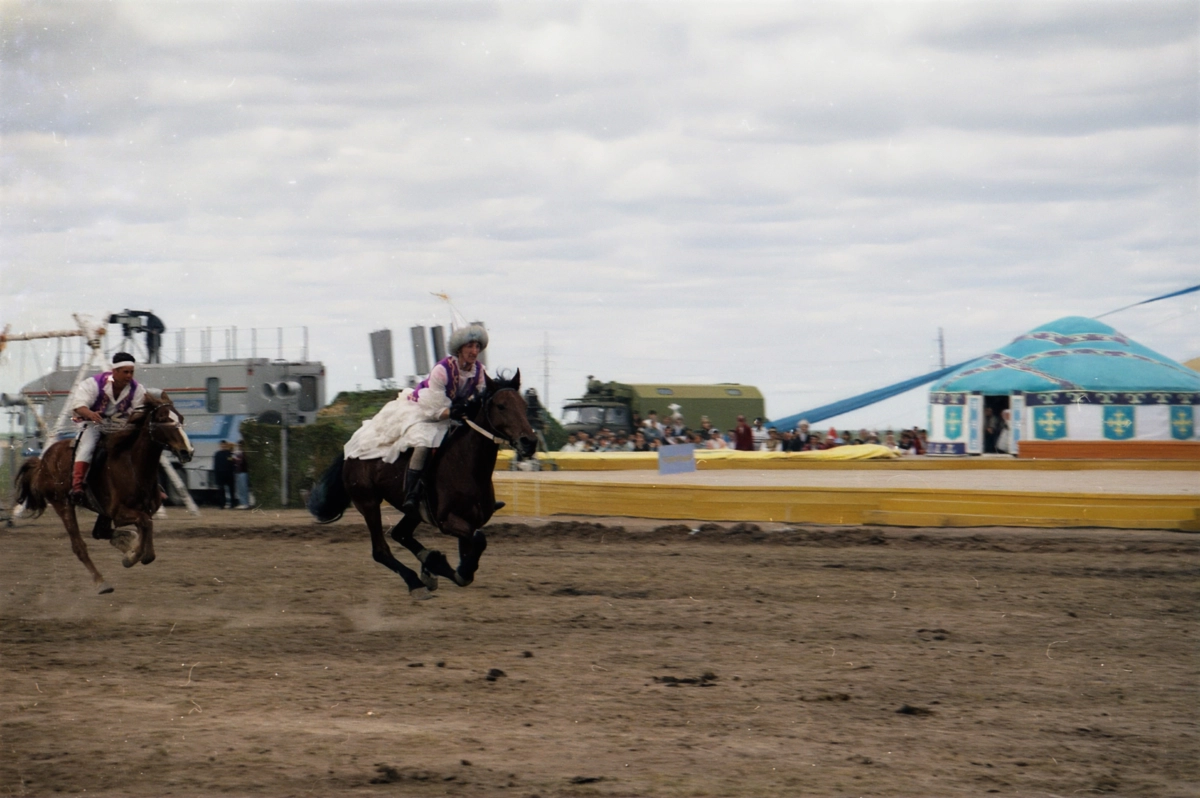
<point>264,655</point>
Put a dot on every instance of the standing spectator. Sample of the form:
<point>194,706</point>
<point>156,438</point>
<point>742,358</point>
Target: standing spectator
<point>743,436</point>
<point>804,438</point>
<point>241,474</point>
<point>676,432</point>
<point>761,435</point>
<point>653,426</point>
<point>223,474</point>
<point>1004,437</point>
<point>991,430</point>
<point>918,441</point>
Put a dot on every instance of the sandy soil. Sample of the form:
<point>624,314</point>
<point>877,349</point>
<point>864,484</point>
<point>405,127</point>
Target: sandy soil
<point>263,655</point>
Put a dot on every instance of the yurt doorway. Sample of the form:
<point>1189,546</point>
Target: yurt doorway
<point>994,422</point>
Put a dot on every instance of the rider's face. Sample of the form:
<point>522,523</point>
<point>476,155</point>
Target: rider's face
<point>121,378</point>
<point>469,353</point>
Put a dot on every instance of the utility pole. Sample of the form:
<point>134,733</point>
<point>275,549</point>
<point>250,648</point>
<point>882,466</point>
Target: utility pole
<point>546,371</point>
<point>941,348</point>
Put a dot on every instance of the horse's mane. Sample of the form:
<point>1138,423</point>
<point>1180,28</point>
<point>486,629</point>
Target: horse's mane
<point>124,439</point>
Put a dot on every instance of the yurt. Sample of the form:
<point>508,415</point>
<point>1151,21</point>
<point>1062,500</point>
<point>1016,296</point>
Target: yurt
<point>1073,388</point>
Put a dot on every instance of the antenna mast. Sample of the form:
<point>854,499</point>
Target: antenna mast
<point>546,371</point>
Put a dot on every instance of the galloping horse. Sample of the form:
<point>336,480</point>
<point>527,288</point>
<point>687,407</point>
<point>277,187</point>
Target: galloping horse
<point>460,497</point>
<point>123,490</point>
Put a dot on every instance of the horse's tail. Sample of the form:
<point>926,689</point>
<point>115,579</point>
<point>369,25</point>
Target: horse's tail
<point>329,499</point>
<point>32,500</point>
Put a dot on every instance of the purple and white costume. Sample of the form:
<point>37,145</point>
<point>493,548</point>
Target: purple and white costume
<point>413,418</point>
<point>96,394</point>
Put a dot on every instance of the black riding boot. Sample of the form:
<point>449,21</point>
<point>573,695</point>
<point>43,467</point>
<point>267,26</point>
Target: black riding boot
<point>414,491</point>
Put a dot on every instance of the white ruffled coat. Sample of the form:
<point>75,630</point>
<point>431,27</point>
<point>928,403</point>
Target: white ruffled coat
<point>406,422</point>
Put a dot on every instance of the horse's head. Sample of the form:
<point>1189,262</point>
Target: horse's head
<point>166,427</point>
<point>504,410</point>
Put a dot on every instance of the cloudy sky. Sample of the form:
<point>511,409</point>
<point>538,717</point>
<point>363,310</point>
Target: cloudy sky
<point>795,195</point>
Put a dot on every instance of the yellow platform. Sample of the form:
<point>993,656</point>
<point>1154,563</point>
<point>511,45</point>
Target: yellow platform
<point>907,492</point>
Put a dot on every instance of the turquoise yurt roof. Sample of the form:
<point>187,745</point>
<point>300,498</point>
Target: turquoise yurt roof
<point>1073,354</point>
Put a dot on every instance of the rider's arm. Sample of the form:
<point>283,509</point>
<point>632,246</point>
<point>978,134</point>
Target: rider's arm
<point>85,396</point>
<point>433,399</point>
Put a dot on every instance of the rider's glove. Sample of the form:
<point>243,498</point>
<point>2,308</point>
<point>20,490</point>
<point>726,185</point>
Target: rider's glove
<point>458,411</point>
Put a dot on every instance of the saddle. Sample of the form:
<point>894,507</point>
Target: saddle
<point>428,504</point>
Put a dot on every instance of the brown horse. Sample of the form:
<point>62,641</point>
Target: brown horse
<point>122,490</point>
<point>460,496</point>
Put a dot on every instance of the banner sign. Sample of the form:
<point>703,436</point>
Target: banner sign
<point>679,458</point>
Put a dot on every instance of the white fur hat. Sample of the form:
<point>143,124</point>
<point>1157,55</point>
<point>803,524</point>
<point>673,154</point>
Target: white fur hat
<point>465,335</point>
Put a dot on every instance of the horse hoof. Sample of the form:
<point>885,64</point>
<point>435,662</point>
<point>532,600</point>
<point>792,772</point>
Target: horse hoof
<point>420,594</point>
<point>149,558</point>
<point>129,562</point>
<point>430,580</point>
<point>105,587</point>
<point>462,581</point>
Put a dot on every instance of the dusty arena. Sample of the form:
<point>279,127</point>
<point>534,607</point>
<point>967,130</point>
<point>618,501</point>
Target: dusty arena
<point>263,655</point>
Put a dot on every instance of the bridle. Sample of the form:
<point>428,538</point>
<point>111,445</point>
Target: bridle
<point>172,414</point>
<point>487,417</point>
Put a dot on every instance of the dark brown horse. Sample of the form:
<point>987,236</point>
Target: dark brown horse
<point>460,496</point>
<point>122,490</point>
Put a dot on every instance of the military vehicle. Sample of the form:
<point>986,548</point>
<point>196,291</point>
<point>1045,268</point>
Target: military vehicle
<point>614,405</point>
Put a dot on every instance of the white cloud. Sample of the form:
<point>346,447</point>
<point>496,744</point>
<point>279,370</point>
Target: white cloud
<point>791,195</point>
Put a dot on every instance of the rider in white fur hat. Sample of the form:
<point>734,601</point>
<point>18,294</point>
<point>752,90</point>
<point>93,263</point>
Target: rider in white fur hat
<point>419,418</point>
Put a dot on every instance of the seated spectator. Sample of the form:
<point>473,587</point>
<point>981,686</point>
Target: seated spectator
<point>774,441</point>
<point>640,444</point>
<point>604,441</point>
<point>573,444</point>
<point>622,444</point>
<point>833,439</point>
<point>715,440</point>
<point>890,441</point>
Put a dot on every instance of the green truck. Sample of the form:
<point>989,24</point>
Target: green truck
<point>614,405</point>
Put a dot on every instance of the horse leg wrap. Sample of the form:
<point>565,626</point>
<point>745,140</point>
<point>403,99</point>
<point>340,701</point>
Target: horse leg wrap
<point>435,563</point>
<point>469,559</point>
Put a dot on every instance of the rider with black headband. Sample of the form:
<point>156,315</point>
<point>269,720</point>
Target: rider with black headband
<point>109,396</point>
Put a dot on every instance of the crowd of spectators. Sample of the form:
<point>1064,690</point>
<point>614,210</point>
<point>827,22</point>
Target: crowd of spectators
<point>650,434</point>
